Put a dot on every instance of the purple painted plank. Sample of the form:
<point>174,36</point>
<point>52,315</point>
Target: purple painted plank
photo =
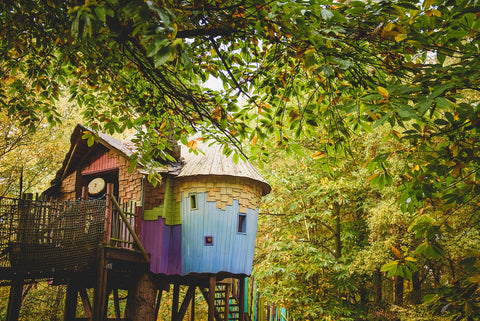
<point>163,242</point>
<point>175,250</point>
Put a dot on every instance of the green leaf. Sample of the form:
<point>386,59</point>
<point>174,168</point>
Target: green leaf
<point>389,266</point>
<point>163,56</point>
<point>326,14</point>
<point>100,12</point>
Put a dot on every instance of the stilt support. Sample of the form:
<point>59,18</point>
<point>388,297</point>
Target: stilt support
<point>241,303</point>
<point>100,294</point>
<point>186,301</point>
<point>211,298</point>
<point>176,298</point>
<point>15,300</point>
<point>70,309</point>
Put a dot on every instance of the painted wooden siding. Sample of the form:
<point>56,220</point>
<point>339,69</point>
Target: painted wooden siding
<point>231,251</point>
<point>103,162</point>
<point>164,243</point>
<point>169,208</point>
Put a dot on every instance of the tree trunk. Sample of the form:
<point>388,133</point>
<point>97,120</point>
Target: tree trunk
<point>141,299</point>
<point>398,290</point>
<point>363,293</point>
<point>338,239</point>
<point>377,287</point>
<point>417,288</point>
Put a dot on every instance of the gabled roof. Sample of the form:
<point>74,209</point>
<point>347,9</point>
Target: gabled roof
<point>80,151</point>
<point>210,160</point>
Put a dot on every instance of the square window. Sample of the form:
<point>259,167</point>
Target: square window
<point>208,241</point>
<point>242,223</point>
<point>193,202</point>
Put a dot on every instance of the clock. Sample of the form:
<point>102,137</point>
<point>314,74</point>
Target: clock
<point>96,185</point>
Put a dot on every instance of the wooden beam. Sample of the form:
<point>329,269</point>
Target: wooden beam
<point>192,307</point>
<point>129,227</point>
<point>116,302</point>
<point>186,301</point>
<point>176,298</point>
<point>64,174</point>
<point>87,306</point>
<point>157,303</point>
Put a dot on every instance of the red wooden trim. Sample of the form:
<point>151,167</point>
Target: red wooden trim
<point>101,164</point>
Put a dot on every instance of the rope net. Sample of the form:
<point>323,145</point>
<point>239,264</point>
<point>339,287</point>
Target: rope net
<point>42,237</point>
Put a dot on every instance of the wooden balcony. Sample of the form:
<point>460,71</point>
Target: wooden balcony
<point>45,239</point>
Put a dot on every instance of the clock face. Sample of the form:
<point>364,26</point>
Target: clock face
<point>96,185</point>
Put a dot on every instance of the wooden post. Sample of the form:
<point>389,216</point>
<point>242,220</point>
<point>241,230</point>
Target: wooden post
<point>138,221</point>
<point>108,215</point>
<point>100,293</point>
<point>84,193</point>
<point>70,309</point>
<point>15,299</point>
<point>241,300</point>
<point>211,298</point>
<point>226,308</point>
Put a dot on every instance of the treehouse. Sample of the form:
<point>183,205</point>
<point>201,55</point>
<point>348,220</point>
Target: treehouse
<point>202,217</point>
<point>196,228</point>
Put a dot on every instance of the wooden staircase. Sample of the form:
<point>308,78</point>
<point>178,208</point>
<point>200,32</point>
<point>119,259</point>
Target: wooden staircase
<point>226,302</point>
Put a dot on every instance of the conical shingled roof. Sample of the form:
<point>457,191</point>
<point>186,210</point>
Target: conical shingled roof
<point>210,161</point>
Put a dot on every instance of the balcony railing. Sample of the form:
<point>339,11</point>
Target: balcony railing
<point>39,237</point>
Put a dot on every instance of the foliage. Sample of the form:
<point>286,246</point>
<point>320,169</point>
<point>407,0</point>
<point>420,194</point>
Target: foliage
<point>42,302</point>
<point>32,156</point>
<point>315,234</point>
<point>315,76</point>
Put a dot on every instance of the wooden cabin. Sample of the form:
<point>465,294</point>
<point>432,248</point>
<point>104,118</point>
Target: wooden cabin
<point>202,217</point>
